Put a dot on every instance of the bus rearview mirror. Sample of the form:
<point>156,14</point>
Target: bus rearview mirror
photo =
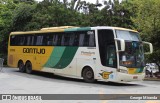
<point>121,44</point>
<point>150,47</point>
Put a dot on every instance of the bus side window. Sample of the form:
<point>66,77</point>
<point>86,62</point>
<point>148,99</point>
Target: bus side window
<point>21,40</point>
<point>32,40</point>
<point>13,40</point>
<point>39,40</point>
<point>49,39</point>
<point>81,39</point>
<point>65,40</point>
<point>87,39</point>
<point>28,40</point>
<point>55,39</point>
<point>45,40</point>
<point>72,39</point>
<point>92,39</point>
<point>59,40</point>
<point>76,40</point>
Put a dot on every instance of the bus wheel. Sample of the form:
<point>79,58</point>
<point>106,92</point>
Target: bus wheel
<point>28,67</point>
<point>21,66</point>
<point>88,75</point>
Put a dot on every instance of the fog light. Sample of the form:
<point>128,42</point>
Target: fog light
<point>135,77</point>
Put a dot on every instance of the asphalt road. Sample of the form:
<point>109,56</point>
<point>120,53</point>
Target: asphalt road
<point>14,82</point>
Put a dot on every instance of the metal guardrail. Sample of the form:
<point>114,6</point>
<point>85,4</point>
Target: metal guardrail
<point>1,64</point>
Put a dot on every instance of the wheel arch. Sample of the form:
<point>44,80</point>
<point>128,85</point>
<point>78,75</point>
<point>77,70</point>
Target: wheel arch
<point>28,61</point>
<point>19,61</point>
<point>86,67</point>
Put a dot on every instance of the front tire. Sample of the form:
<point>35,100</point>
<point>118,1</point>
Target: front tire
<point>28,67</point>
<point>88,75</point>
<point>21,66</point>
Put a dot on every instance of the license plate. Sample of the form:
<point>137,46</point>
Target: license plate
<point>135,77</point>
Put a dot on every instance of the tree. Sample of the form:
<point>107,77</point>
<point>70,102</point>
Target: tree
<point>147,21</point>
<point>22,16</point>
<point>6,13</point>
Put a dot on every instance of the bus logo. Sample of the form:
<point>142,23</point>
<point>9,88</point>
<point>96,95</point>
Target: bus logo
<point>105,75</point>
<point>34,50</point>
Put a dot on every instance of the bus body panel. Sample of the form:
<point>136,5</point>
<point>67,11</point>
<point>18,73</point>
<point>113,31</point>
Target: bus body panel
<point>71,60</point>
<point>36,55</point>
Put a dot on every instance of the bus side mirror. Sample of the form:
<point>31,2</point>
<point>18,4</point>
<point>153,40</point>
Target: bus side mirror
<point>121,44</point>
<point>150,47</point>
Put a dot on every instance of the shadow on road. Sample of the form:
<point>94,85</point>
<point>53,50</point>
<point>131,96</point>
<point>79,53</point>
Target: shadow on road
<point>52,77</point>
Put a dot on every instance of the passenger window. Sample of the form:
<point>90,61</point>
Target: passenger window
<point>65,40</point>
<point>91,38</point>
<point>32,40</point>
<point>21,40</point>
<point>72,40</point>
<point>59,40</point>
<point>55,39</point>
<point>29,40</point>
<point>87,39</point>
<point>39,40</point>
<point>76,40</point>
<point>50,40</point>
<point>13,40</point>
<point>81,39</point>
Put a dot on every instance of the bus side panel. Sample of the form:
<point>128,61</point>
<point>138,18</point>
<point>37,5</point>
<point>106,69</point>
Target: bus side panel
<point>86,56</point>
<point>62,61</point>
<point>37,55</point>
<point>11,57</point>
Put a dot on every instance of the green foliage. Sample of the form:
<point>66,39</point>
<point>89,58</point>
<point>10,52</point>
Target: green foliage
<point>6,12</point>
<point>147,21</point>
<point>22,16</point>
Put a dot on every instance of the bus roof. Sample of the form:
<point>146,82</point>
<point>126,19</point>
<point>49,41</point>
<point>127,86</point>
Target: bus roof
<point>118,28</point>
<point>44,30</point>
<point>114,28</point>
<point>69,28</point>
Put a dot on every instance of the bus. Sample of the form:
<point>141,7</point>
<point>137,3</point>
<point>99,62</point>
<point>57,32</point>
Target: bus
<point>91,53</point>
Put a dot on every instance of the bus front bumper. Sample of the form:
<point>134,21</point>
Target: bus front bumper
<point>123,77</point>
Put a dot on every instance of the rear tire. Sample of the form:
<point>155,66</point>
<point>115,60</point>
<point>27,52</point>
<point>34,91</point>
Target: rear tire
<point>88,75</point>
<point>21,66</point>
<point>28,66</point>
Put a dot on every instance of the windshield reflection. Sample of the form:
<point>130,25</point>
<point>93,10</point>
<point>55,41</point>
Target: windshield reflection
<point>133,55</point>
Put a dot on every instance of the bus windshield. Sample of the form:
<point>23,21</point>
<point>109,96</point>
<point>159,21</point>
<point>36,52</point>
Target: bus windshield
<point>133,56</point>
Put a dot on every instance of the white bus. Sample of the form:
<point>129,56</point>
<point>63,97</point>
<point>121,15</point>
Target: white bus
<point>92,53</point>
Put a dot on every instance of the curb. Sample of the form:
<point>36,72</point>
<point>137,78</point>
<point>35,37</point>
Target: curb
<point>151,79</point>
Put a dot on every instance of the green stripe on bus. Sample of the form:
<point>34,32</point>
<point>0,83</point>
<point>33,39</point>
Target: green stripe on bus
<point>139,70</point>
<point>55,56</point>
<point>66,58</point>
<point>77,29</point>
